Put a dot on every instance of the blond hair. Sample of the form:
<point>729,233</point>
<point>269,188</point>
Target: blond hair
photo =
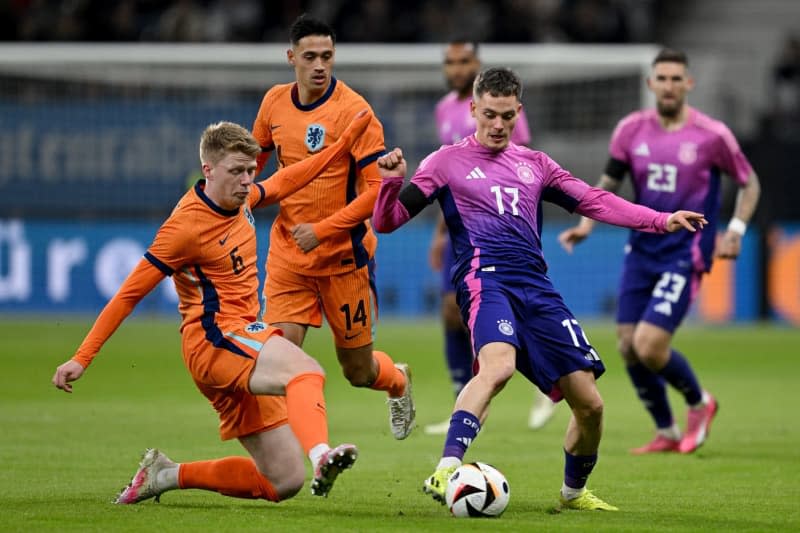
<point>223,138</point>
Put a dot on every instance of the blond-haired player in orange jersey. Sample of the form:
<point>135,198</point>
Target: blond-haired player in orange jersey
<point>321,254</point>
<point>267,392</point>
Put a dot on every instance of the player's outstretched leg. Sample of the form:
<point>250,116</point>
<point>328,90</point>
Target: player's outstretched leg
<point>464,429</point>
<point>402,412</point>
<point>581,442</point>
<point>332,463</point>
<point>436,484</point>
<point>144,484</point>
<point>699,423</point>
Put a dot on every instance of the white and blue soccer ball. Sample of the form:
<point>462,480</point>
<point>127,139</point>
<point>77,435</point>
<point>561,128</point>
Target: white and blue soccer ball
<point>477,490</point>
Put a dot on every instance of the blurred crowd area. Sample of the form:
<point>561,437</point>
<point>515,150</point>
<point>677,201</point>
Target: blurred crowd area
<point>502,21</point>
<point>782,119</point>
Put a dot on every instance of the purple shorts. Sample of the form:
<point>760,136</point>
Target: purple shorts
<point>656,292</point>
<point>527,312</point>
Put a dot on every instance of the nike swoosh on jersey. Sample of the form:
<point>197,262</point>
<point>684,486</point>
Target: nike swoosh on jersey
<point>273,127</point>
<point>349,337</point>
<point>223,241</point>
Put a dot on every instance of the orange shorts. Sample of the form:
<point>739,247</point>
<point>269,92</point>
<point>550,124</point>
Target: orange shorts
<point>221,370</point>
<point>348,301</point>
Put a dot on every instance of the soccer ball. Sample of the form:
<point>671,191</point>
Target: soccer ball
<point>476,490</point>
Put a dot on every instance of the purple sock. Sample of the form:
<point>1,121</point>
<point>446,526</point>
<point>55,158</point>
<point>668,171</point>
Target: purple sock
<point>458,350</point>
<point>680,375</point>
<point>651,390</point>
<point>464,428</point>
<point>577,469</point>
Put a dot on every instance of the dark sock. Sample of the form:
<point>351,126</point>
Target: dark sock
<point>652,392</point>
<point>680,375</point>
<point>464,428</point>
<point>577,469</point>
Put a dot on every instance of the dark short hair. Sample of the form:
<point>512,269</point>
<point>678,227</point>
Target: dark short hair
<point>497,81</point>
<point>306,25</point>
<point>670,55</point>
<point>465,42</point>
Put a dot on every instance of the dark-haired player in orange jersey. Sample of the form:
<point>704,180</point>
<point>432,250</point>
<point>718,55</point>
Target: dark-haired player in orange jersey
<point>267,391</point>
<point>320,259</point>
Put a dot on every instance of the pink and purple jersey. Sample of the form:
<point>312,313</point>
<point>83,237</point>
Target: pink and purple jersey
<point>454,121</point>
<point>491,202</point>
<point>674,170</point>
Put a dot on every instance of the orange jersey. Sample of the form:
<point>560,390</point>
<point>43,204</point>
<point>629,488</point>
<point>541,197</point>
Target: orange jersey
<point>339,201</point>
<point>211,254</point>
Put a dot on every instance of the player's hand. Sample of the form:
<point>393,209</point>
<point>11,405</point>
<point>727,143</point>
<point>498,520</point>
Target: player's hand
<point>303,235</point>
<point>572,236</point>
<point>729,246</point>
<point>392,164</point>
<point>356,127</point>
<point>66,374</point>
<point>688,220</point>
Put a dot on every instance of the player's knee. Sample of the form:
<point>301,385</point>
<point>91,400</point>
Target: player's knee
<point>589,414</point>
<point>625,348</point>
<point>645,350</point>
<point>358,376</point>
<point>497,374</point>
<point>358,365</point>
<point>359,373</point>
<point>309,365</point>
<point>628,354</point>
<point>289,483</point>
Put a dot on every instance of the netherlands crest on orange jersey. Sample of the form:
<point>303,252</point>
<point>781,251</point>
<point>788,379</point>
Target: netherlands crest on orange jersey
<point>255,327</point>
<point>315,137</point>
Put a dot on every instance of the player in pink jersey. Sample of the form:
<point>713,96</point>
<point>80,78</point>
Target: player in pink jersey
<point>675,155</point>
<point>454,122</point>
<point>490,192</point>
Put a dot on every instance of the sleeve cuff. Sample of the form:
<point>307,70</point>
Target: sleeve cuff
<point>323,230</point>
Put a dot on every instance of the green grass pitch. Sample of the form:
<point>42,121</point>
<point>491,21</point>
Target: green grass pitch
<point>64,457</point>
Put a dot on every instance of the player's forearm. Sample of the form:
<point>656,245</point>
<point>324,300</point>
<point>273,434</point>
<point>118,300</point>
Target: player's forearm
<point>349,217</point>
<point>606,183</point>
<point>607,207</point>
<point>141,281</point>
<point>747,199</point>
<point>389,213</point>
<point>291,179</point>
<point>357,211</point>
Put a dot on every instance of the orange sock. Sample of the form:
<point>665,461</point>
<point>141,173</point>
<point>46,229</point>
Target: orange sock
<point>232,476</point>
<point>389,377</point>
<point>305,406</point>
